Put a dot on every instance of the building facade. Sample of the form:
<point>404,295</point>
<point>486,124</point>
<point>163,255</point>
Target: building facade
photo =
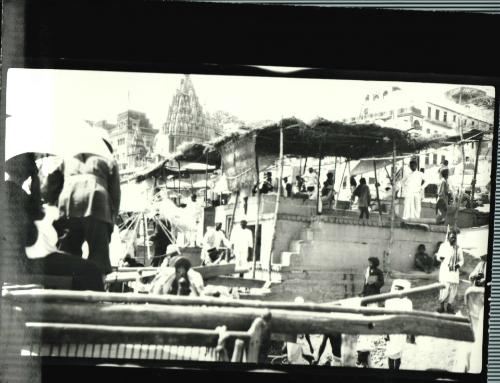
<point>132,139</point>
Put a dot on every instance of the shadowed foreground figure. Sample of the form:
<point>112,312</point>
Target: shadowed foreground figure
<point>32,237</point>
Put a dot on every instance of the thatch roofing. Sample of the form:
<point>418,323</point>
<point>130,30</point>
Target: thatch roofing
<point>352,141</point>
<point>320,137</point>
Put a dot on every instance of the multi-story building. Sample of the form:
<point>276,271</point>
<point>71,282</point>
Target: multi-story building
<point>132,138</point>
<point>425,115</point>
<point>186,121</point>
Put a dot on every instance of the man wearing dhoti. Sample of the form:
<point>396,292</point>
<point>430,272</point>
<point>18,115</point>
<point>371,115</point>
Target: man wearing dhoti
<point>451,257</point>
<point>242,245</point>
<point>413,192</point>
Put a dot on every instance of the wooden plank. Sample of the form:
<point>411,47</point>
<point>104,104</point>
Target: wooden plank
<point>239,319</point>
<point>132,273</point>
<point>57,333</point>
<point>402,293</point>
<point>236,282</point>
<point>334,307</point>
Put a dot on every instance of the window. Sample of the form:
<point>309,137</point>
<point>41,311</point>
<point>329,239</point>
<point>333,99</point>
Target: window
<point>344,184</point>
<point>437,114</point>
<point>371,181</point>
<point>473,123</point>
<point>435,132</point>
<point>443,158</point>
<point>445,116</point>
<point>429,111</point>
<point>428,131</point>
<point>427,159</point>
<point>454,118</point>
<point>121,141</point>
<point>435,159</point>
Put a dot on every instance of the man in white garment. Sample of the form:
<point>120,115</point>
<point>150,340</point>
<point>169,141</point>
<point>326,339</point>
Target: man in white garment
<point>451,257</point>
<point>396,342</point>
<point>242,245</point>
<point>413,192</point>
<point>311,182</point>
<point>214,243</point>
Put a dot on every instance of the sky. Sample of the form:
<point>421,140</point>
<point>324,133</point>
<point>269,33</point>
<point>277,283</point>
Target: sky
<point>96,95</point>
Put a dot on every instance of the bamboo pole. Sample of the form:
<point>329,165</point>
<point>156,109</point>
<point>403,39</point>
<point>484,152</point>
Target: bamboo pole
<point>277,204</point>
<point>388,254</point>
<point>206,181</point>
<point>334,180</point>
<point>473,184</point>
<point>305,166</point>
<point>56,296</point>
<point>145,239</point>
<point>318,184</point>
<point>341,182</point>
<point>459,199</point>
<point>257,219</point>
<point>179,183</point>
<point>230,229</point>
<point>240,319</point>
<point>378,197</point>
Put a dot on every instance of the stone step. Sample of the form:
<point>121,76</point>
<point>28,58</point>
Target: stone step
<point>290,259</point>
<point>296,245</point>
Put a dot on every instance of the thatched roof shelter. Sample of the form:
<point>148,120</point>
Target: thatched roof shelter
<point>319,138</point>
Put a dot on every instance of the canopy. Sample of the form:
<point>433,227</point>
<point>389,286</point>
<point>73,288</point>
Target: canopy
<point>326,138</point>
<point>366,166</point>
<point>164,169</point>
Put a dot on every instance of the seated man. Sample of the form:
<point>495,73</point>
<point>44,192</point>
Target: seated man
<point>183,280</point>
<point>423,261</point>
<point>478,275</point>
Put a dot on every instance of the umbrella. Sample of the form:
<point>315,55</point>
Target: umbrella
<point>52,136</point>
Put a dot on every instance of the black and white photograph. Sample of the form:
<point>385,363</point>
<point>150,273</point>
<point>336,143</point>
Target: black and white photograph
<point>282,221</point>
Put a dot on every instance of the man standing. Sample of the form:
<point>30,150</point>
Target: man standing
<point>311,182</point>
<point>413,192</point>
<point>88,206</point>
<point>160,239</point>
<point>364,198</point>
<point>443,198</point>
<point>242,245</point>
<point>451,257</point>
<point>212,241</point>
<point>287,188</point>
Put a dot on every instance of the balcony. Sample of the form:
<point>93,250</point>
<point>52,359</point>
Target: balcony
<point>411,110</point>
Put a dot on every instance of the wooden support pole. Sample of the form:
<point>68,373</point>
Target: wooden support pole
<point>318,184</point>
<point>230,228</point>
<point>206,181</point>
<point>388,254</point>
<point>147,254</point>
<point>257,219</point>
<point>179,183</point>
<point>240,319</point>
<point>277,204</point>
<point>341,183</point>
<point>473,184</point>
<point>378,196</point>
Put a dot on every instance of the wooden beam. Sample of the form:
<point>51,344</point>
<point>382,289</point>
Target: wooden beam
<point>402,293</point>
<point>51,296</point>
<point>240,319</point>
<point>236,282</point>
